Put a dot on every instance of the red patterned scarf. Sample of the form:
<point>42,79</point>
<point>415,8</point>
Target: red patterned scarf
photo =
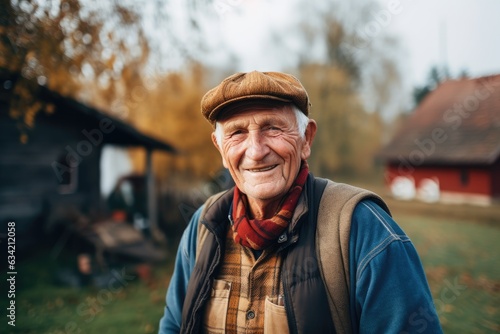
<point>260,233</point>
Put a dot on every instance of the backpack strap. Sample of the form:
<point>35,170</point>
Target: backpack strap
<point>332,244</point>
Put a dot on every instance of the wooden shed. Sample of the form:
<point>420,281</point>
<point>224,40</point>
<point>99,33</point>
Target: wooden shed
<point>57,171</point>
<point>448,150</point>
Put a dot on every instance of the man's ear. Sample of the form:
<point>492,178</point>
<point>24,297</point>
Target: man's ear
<point>214,141</point>
<point>309,137</point>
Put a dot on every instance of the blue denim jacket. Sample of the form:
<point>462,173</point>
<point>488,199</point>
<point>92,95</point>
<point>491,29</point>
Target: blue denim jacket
<point>389,290</point>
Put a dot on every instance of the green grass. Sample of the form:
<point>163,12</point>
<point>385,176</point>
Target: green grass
<point>126,306</point>
<point>461,259</point>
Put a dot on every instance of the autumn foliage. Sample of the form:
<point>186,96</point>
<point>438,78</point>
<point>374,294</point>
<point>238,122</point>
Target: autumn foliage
<point>347,136</point>
<point>171,111</point>
<point>101,56</point>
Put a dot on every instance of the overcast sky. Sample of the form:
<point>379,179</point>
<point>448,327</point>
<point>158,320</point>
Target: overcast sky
<point>464,34</point>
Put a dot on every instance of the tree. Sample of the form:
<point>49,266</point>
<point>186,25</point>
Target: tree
<point>119,58</point>
<point>353,36</point>
<point>434,78</point>
<point>62,44</point>
<point>347,136</point>
<point>176,117</point>
<point>352,85</point>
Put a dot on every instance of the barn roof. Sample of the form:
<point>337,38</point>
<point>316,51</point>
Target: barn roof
<point>458,122</point>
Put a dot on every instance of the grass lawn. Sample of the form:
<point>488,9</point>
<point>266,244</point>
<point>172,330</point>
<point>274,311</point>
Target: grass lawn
<point>462,262</point>
<point>124,304</point>
<point>461,259</point>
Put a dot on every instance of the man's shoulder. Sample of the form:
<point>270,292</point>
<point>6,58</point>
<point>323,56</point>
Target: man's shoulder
<point>217,202</point>
<point>369,217</point>
<point>343,186</point>
<point>214,211</point>
<point>343,197</point>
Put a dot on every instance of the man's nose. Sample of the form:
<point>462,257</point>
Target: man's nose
<point>257,147</point>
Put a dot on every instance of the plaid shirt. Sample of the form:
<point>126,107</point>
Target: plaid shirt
<point>240,290</point>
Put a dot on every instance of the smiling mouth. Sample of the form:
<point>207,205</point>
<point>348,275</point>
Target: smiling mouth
<point>260,170</point>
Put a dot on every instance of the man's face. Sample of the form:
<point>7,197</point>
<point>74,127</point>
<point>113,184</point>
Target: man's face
<point>263,149</point>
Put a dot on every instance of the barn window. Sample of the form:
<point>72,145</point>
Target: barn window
<point>464,177</point>
<point>67,175</point>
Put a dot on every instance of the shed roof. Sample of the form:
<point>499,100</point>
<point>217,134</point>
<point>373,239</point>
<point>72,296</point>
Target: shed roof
<point>123,133</point>
<point>458,122</point>
<point>71,111</point>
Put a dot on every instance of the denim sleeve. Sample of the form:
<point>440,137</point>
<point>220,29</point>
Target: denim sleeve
<point>389,289</point>
<point>184,262</point>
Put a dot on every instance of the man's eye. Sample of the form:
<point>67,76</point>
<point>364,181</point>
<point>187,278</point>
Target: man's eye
<point>237,132</point>
<point>272,128</point>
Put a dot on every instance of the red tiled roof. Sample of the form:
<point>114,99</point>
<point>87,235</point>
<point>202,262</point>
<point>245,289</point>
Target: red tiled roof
<point>458,122</point>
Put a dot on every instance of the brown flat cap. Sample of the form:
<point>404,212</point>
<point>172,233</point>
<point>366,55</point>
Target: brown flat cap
<point>245,87</point>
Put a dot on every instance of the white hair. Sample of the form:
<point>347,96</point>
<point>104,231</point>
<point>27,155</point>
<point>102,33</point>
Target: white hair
<point>302,121</point>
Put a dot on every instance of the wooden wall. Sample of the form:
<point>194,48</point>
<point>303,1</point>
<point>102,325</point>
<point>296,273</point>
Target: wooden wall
<point>30,190</point>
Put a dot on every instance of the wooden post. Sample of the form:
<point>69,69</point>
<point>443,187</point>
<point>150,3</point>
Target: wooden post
<point>152,200</point>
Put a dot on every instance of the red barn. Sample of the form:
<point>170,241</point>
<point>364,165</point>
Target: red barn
<point>448,150</point>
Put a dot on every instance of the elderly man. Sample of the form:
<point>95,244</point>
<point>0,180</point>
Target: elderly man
<point>283,251</point>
